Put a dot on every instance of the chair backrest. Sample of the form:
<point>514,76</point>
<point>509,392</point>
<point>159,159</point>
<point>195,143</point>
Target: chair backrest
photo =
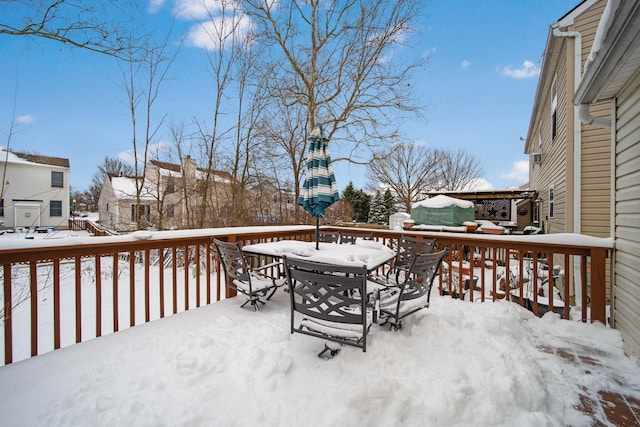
<point>409,246</point>
<point>328,293</point>
<point>329,236</point>
<point>423,270</point>
<point>232,259</point>
<point>349,238</point>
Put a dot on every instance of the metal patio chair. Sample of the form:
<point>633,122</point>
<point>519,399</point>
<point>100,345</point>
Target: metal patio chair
<point>399,301</point>
<point>408,248</point>
<point>241,277</point>
<point>349,238</point>
<point>329,236</point>
<point>329,302</point>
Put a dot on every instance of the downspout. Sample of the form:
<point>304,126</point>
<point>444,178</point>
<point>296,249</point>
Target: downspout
<point>577,152</point>
<point>577,131</point>
<point>588,119</point>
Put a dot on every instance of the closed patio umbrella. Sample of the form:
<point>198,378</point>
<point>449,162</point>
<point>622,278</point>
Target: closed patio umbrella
<point>319,190</point>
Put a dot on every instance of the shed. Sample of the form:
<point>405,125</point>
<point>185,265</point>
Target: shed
<point>443,210</point>
<point>395,220</point>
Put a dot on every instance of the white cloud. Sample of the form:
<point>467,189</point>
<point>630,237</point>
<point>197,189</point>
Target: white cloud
<point>26,118</point>
<point>465,64</point>
<point>527,70</point>
<point>214,33</point>
<point>478,184</point>
<point>427,53</point>
<point>201,9</point>
<point>155,6</point>
<point>519,172</point>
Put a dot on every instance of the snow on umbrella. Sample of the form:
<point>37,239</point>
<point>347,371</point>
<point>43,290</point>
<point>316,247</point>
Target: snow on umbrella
<point>319,190</point>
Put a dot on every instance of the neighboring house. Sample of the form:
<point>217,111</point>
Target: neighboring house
<point>171,197</point>
<point>117,206</point>
<point>271,204</point>
<point>34,190</point>
<point>612,76</point>
<point>570,165</point>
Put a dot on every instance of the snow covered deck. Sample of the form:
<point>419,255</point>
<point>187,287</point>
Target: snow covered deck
<point>88,287</point>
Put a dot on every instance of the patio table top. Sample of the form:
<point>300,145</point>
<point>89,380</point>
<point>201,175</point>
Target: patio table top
<point>365,252</point>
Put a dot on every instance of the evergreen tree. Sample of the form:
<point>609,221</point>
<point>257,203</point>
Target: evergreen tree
<point>349,193</point>
<point>389,203</point>
<point>378,211</point>
<point>361,206</point>
<point>359,201</point>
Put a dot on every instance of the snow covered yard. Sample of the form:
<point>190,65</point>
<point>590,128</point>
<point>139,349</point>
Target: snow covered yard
<point>455,363</point>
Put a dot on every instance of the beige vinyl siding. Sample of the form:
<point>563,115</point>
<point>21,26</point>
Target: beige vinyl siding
<point>552,171</point>
<point>596,176</point>
<point>626,304</point>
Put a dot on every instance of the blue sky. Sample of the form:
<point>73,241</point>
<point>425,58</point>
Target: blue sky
<point>477,87</point>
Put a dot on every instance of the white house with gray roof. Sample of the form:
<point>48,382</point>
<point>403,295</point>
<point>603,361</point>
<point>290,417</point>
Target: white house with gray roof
<point>34,190</point>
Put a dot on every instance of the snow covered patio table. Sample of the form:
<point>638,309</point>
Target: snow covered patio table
<point>365,252</point>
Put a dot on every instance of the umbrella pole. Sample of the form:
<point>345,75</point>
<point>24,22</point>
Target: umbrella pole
<point>317,233</point>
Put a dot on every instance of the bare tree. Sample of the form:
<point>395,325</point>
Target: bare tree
<point>224,31</point>
<point>458,171</point>
<point>409,170</point>
<point>335,59</point>
<point>103,27</point>
<point>285,146</point>
<point>143,74</point>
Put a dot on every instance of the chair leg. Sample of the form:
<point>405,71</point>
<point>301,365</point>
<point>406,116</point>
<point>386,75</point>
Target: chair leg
<point>271,294</point>
<point>332,348</point>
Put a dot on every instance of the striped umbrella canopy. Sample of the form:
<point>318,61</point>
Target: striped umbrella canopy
<point>319,190</point>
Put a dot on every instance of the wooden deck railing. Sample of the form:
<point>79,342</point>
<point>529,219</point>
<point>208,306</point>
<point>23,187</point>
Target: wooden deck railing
<point>103,285</point>
<point>79,223</point>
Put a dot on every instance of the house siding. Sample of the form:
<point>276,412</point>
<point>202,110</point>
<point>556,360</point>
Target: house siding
<point>28,194</point>
<point>582,197</point>
<point>626,304</point>
<point>555,152</point>
<point>596,168</point>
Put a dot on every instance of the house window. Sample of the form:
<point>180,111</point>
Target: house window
<point>551,206</point>
<point>107,207</point>
<point>145,213</point>
<point>57,179</point>
<point>1,207</point>
<point>170,210</point>
<point>171,186</point>
<point>554,110</point>
<point>55,208</point>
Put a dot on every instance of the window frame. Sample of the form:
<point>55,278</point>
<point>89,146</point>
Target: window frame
<point>145,212</point>
<point>52,213</point>
<point>54,179</point>
<point>551,208</point>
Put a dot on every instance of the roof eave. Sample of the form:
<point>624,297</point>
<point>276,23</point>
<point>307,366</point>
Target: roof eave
<point>618,58</point>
